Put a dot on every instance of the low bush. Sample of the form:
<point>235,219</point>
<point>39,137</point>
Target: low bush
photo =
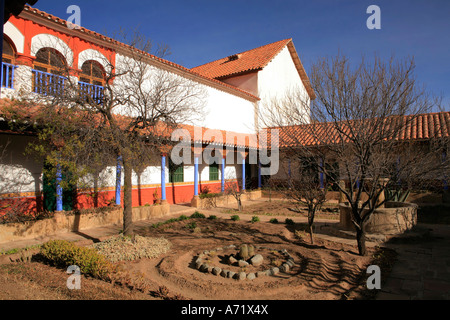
<point>235,217</point>
<point>197,214</point>
<point>191,225</point>
<point>63,253</point>
<point>212,217</point>
<point>209,195</point>
<point>289,221</point>
<point>255,219</point>
<point>273,220</point>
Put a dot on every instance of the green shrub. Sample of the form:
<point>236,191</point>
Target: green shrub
<point>235,217</point>
<point>183,217</point>
<point>197,214</point>
<point>209,195</point>
<point>191,225</point>
<point>289,221</point>
<point>255,219</point>
<point>212,217</point>
<point>63,253</point>
<point>273,220</point>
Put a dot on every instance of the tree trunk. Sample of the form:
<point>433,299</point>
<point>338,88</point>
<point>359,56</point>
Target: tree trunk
<point>310,223</point>
<point>127,198</point>
<point>361,239</point>
<point>311,234</point>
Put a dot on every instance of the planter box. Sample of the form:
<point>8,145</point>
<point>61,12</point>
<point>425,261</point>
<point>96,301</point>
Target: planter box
<point>223,200</point>
<point>395,218</point>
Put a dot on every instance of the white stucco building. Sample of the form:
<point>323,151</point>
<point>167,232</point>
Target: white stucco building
<point>235,87</point>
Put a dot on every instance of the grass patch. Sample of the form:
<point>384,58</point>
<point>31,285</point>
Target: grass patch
<point>180,218</point>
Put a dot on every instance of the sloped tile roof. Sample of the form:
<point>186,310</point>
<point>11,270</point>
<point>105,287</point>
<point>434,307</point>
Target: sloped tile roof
<point>253,60</point>
<point>406,128</point>
<point>250,60</point>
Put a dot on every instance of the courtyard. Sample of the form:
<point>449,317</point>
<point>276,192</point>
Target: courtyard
<point>415,266</point>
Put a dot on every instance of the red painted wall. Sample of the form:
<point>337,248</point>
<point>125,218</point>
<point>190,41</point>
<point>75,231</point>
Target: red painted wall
<point>29,29</point>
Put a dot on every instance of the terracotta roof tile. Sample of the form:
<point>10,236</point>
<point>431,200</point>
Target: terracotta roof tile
<point>419,127</point>
<point>253,60</point>
<point>250,60</point>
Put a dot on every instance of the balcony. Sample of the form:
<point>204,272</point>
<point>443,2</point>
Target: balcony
<point>8,75</point>
<point>93,91</point>
<point>48,84</point>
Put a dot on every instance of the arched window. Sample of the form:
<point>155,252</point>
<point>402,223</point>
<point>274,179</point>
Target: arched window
<point>49,67</point>
<point>8,52</point>
<point>92,72</point>
<point>8,60</point>
<point>49,60</point>
<point>92,81</point>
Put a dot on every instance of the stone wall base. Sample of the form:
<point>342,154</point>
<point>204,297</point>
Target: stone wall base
<point>75,221</point>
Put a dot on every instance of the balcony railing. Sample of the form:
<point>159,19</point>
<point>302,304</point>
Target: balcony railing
<point>91,90</point>
<point>8,75</point>
<point>47,84</point>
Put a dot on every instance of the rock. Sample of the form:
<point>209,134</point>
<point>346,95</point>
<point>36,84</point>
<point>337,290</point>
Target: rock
<point>198,263</point>
<point>251,276</point>
<point>284,267</point>
<point>225,273</point>
<point>231,274</point>
<point>204,267</point>
<point>251,250</point>
<point>257,260</point>
<point>197,230</point>
<point>243,252</point>
<point>232,260</point>
<point>241,276</point>
<point>216,271</point>
<point>242,263</point>
<point>260,273</point>
<point>273,271</point>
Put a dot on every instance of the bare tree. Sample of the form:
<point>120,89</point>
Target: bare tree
<point>141,101</point>
<point>361,118</point>
<point>233,187</point>
<point>303,188</point>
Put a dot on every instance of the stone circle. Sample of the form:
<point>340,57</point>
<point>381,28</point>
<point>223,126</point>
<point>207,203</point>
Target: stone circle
<point>255,260</point>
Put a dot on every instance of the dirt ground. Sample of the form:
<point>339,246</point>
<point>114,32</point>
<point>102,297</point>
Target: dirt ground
<point>323,271</point>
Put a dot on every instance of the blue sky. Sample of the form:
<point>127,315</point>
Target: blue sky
<point>199,31</point>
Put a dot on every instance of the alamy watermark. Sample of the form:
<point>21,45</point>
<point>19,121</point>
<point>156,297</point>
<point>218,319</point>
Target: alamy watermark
<point>374,20</point>
<point>74,280</point>
<point>374,281</point>
<point>74,20</point>
<point>261,151</point>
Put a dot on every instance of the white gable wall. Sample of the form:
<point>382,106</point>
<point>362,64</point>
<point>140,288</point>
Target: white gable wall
<point>278,78</point>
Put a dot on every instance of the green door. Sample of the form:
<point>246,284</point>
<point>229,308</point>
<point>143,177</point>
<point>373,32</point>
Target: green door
<point>49,190</point>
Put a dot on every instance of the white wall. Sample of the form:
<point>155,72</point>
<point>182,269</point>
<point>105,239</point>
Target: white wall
<point>18,172</point>
<point>279,78</point>
<point>228,112</point>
